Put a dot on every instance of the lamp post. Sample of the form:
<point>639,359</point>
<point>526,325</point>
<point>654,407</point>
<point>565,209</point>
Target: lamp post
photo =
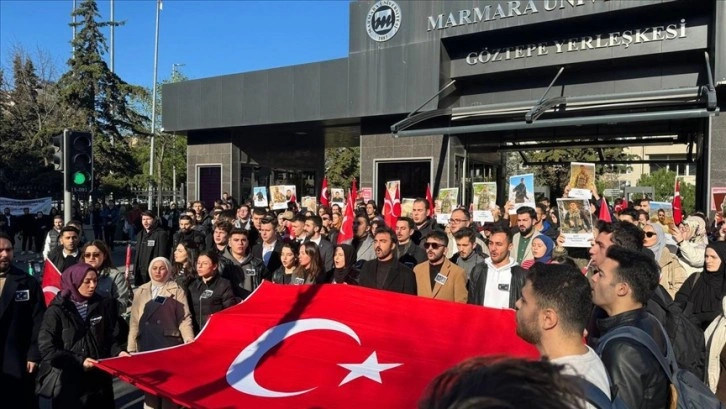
<point>153,106</point>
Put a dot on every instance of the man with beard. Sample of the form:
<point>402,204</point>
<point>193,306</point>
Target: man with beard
<point>312,226</point>
<point>21,309</point>
<point>438,277</point>
<point>461,219</point>
<point>385,272</point>
<point>498,281</point>
<point>188,234</point>
<point>66,253</point>
<point>552,314</point>
<point>152,242</point>
<point>51,239</point>
<point>522,241</point>
<point>422,223</point>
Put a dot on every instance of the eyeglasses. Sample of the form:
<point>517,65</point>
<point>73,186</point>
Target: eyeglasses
<point>434,246</point>
<point>457,221</point>
<point>94,255</point>
<point>650,234</point>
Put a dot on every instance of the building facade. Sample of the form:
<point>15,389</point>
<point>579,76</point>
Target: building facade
<point>437,91</point>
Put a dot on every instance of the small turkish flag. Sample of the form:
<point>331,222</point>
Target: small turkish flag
<point>346,228</point>
<point>604,211</point>
<point>392,203</point>
<point>51,281</point>
<point>324,198</point>
<point>430,199</point>
<point>353,191</point>
<point>677,209</point>
<point>321,346</point>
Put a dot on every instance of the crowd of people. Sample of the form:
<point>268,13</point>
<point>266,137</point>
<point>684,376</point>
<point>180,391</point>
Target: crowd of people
<point>193,262</point>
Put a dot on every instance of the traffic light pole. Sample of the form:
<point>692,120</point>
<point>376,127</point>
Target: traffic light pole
<point>67,197</point>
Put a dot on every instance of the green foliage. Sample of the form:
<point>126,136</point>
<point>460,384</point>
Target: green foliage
<point>663,182</point>
<point>342,165</point>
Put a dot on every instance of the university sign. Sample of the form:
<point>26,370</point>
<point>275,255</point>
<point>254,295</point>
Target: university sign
<point>383,20</point>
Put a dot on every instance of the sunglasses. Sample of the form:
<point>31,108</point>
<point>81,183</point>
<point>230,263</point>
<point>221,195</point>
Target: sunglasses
<point>434,246</point>
<point>649,234</point>
<point>94,255</point>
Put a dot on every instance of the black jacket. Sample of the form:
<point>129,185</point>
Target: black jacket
<point>61,262</point>
<point>421,232</point>
<point>413,255</point>
<point>478,282</point>
<point>237,273</point>
<point>400,279</point>
<point>632,368</point>
<point>202,304</point>
<point>151,244</point>
<point>274,262</point>
<point>66,340</point>
<point>21,314</point>
<point>194,236</point>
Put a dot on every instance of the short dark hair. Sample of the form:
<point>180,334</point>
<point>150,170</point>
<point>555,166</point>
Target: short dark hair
<point>466,232</point>
<point>466,212</point>
<point>541,206</point>
<point>212,255</point>
<point>408,221</point>
<point>237,230</point>
<point>269,219</point>
<point>502,382</point>
<point>148,213</point>
<point>69,229</point>
<point>259,211</point>
<point>317,220</point>
<point>427,206</point>
<point>186,217</point>
<point>527,210</point>
<point>58,216</point>
<point>298,218</point>
<point>498,228</point>
<point>637,269</point>
<point>630,211</point>
<point>641,212</point>
<point>564,289</point>
<point>386,230</point>
<point>643,199</point>
<point>223,225</point>
<point>438,235</point>
<point>624,234</point>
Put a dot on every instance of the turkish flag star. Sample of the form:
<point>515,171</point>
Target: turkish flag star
<point>370,368</point>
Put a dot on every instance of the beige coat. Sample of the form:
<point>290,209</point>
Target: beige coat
<point>672,273</point>
<point>155,325</point>
<point>715,341</point>
<point>453,289</point>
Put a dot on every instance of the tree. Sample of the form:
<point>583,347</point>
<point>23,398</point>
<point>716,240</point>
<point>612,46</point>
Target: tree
<point>342,165</point>
<point>663,181</point>
<point>101,101</point>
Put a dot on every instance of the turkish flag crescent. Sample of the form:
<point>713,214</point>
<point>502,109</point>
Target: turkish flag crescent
<point>392,205</point>
<point>324,198</point>
<point>677,209</point>
<point>430,199</point>
<point>51,281</point>
<point>346,228</point>
<point>323,346</point>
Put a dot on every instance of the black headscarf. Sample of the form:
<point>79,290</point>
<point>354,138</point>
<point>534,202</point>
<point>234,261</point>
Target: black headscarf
<point>347,274</point>
<point>709,290</point>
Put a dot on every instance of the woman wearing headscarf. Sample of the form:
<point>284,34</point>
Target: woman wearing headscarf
<point>79,328</point>
<point>692,241</point>
<point>160,317</point>
<point>703,292</point>
<point>672,273</point>
<point>344,259</point>
<point>716,355</point>
<point>542,248</point>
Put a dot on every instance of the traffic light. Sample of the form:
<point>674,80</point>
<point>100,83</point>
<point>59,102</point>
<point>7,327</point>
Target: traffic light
<point>58,158</point>
<point>79,173</point>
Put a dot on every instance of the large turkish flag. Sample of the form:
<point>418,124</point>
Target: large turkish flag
<point>324,346</point>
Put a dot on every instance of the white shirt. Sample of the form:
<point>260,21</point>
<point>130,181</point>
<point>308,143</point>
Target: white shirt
<point>588,366</point>
<point>496,289</point>
<point>266,248</point>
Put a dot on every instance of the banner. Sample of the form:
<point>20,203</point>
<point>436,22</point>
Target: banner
<point>582,180</point>
<point>259,196</point>
<point>521,191</point>
<point>44,204</point>
<point>575,222</point>
<point>321,346</point>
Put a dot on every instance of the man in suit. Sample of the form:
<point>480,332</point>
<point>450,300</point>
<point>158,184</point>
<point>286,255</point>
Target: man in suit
<point>153,241</point>
<point>522,241</point>
<point>313,224</point>
<point>21,313</point>
<point>385,272</point>
<point>438,277</point>
<point>269,249</point>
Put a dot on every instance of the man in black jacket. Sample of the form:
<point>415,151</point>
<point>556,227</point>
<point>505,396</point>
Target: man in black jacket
<point>239,266</point>
<point>497,282</point>
<point>270,247</point>
<point>66,253</point>
<point>423,223</point>
<point>386,272</point>
<point>622,284</point>
<point>153,241</point>
<point>21,313</point>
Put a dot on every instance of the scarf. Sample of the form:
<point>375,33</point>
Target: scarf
<point>709,290</point>
<point>71,280</point>
<point>549,244</point>
<point>660,242</point>
<point>340,274</point>
<point>697,227</point>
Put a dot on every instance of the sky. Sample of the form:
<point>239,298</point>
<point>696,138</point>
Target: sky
<point>205,37</point>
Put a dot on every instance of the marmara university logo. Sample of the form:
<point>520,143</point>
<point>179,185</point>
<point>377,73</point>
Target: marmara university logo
<point>383,20</point>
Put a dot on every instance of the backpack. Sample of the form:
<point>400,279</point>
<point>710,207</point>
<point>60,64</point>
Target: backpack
<point>596,397</point>
<point>687,338</point>
<point>686,390</point>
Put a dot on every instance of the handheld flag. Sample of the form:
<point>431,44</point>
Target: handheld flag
<point>354,191</point>
<point>430,199</point>
<point>604,211</point>
<point>346,228</point>
<point>392,205</point>
<point>677,208</point>
<point>321,346</point>
<point>324,198</point>
<point>51,281</point>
